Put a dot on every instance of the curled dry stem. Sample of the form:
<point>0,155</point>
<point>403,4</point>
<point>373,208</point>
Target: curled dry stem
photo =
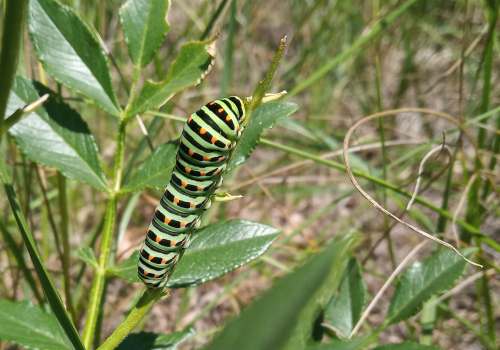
<point>371,199</point>
<point>421,167</point>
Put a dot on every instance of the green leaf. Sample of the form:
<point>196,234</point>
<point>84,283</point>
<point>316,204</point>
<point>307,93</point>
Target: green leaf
<point>155,170</point>
<point>313,309</point>
<point>264,117</point>
<point>127,269</point>
<point>145,26</point>
<point>149,341</point>
<point>71,52</point>
<point>345,308</point>
<point>31,327</point>
<point>55,135</point>
<point>423,280</point>
<point>220,248</point>
<point>193,62</point>
<point>87,255</point>
<point>277,320</point>
<point>406,346</point>
<point>50,291</point>
<point>214,251</point>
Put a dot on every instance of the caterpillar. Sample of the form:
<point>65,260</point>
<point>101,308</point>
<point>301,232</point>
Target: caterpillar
<point>206,142</point>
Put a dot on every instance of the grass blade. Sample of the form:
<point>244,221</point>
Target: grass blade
<point>49,289</point>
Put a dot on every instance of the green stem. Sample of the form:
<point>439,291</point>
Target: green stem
<point>264,85</point>
<point>97,290</point>
<point>11,42</point>
<point>441,223</point>
<point>373,179</point>
<point>381,130</point>
<point>64,230</point>
<point>138,312</point>
<point>475,210</point>
<point>213,19</point>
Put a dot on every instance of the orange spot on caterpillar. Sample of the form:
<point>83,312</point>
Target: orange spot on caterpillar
<point>176,200</point>
<point>183,224</point>
<point>228,118</point>
<point>158,239</point>
<point>150,258</point>
<point>205,158</point>
<point>191,205</point>
<point>202,173</point>
<point>199,188</point>
<point>167,220</point>
<point>184,184</point>
<point>203,131</point>
<point>190,152</point>
<point>220,110</point>
<point>213,140</point>
<point>187,169</point>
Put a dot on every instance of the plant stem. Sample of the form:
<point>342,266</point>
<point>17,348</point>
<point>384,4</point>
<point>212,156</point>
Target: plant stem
<point>96,292</point>
<point>138,312</point>
<point>373,179</point>
<point>475,209</point>
<point>64,231</point>
<point>264,85</point>
<point>213,19</point>
<point>11,42</point>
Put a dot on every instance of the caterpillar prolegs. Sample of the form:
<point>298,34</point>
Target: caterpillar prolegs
<point>207,139</point>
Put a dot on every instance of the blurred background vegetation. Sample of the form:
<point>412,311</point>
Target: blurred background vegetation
<point>438,55</point>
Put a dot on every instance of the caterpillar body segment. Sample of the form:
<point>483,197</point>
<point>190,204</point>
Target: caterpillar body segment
<point>208,137</point>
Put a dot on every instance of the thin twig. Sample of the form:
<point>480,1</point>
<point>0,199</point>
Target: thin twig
<point>19,113</point>
<point>371,199</point>
<point>302,163</point>
<point>429,154</point>
<point>144,131</point>
<point>459,287</point>
<point>384,287</point>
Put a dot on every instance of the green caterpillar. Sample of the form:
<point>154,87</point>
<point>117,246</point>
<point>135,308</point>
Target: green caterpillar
<point>208,137</point>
